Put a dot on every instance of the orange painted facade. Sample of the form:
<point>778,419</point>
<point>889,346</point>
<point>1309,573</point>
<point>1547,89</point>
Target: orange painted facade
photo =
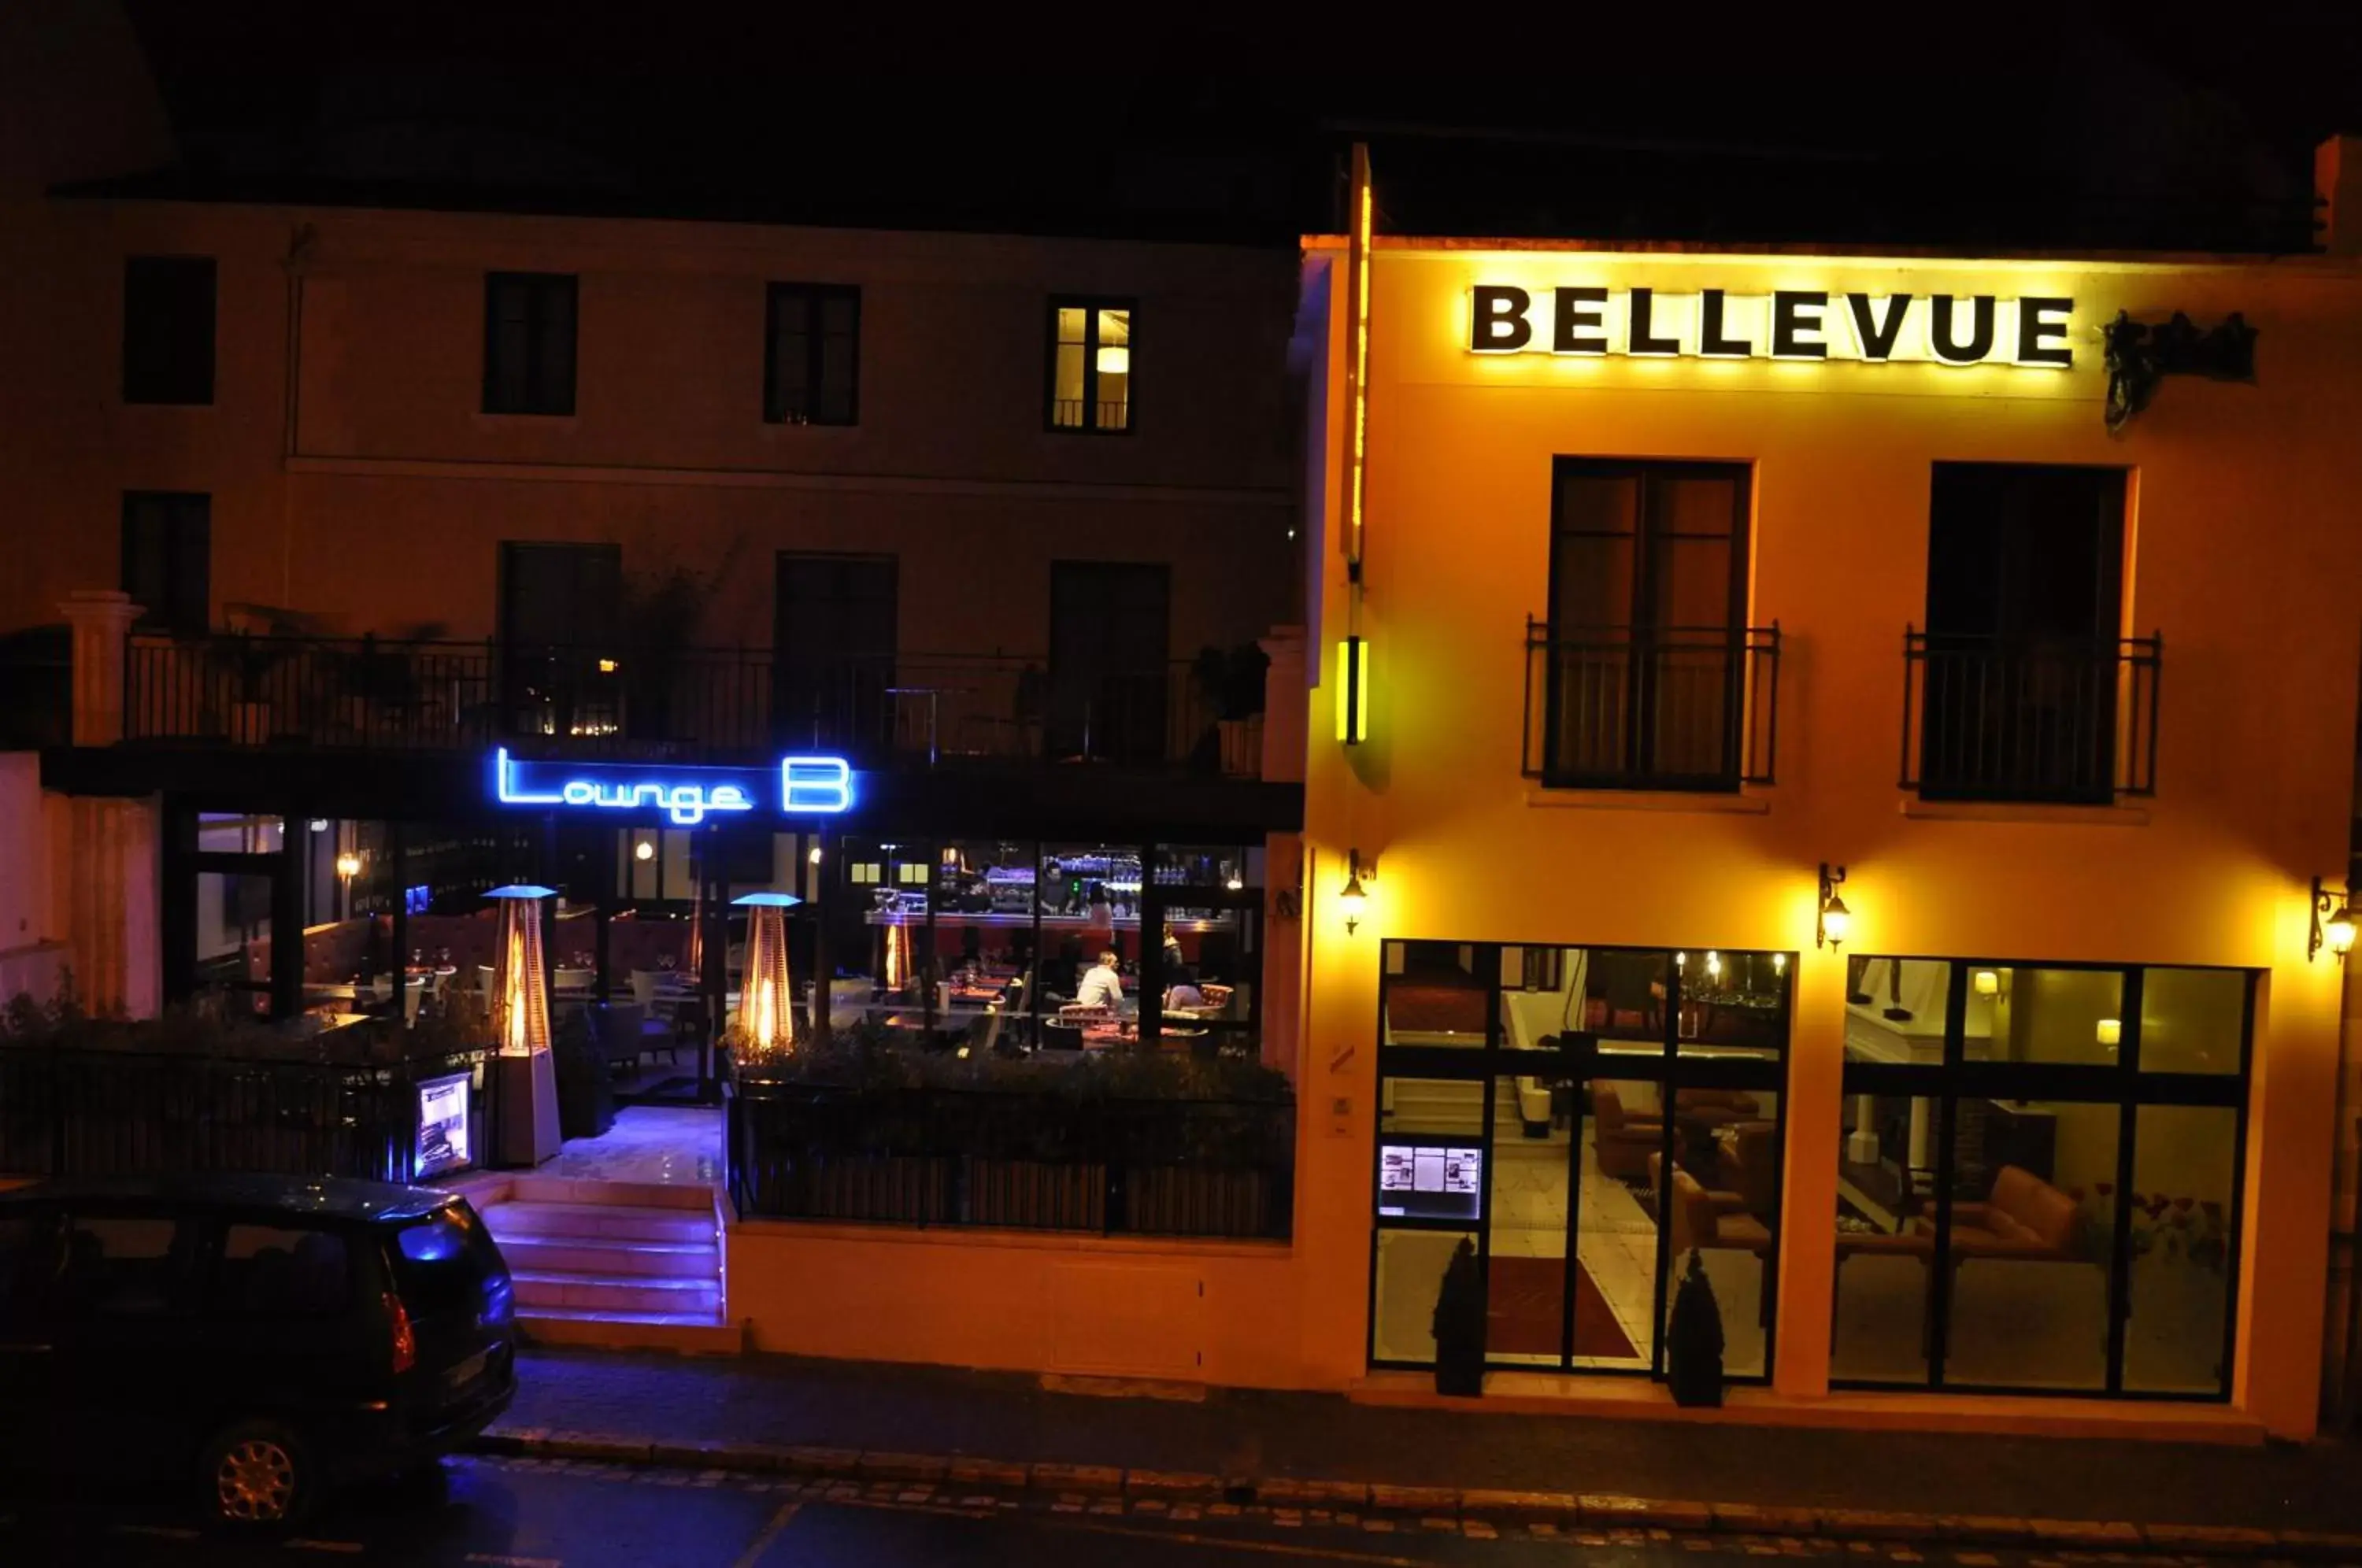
<point>2238,552</point>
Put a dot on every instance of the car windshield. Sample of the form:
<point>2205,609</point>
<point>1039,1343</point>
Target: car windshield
<point>441,1261</point>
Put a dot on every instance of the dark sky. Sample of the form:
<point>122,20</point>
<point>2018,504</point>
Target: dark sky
<point>1703,121</point>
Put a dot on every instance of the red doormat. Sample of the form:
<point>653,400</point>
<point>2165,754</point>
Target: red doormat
<point>1521,1316</point>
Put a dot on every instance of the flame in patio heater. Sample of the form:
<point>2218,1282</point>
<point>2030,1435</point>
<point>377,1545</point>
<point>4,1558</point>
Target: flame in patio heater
<point>520,993</point>
<point>898,957</point>
<point>769,1015</point>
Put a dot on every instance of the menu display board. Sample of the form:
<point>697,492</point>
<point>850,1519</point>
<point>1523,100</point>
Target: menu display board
<point>1430,1181</point>
<point>443,1124</point>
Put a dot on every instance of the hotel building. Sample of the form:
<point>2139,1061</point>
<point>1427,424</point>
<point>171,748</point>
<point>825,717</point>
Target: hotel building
<point>1749,817</point>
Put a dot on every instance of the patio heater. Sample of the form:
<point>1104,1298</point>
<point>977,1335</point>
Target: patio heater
<point>898,955</point>
<point>767,1010</point>
<point>525,1102</point>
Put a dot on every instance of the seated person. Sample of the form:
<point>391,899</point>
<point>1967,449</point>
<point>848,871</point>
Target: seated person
<point>1180,978</point>
<point>1102,986</point>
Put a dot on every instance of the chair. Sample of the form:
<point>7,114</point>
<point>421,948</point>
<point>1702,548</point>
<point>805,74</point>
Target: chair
<point>1058,1036</point>
<point>1712,1109</point>
<point>575,980</point>
<point>1534,1108</point>
<point>620,1033</point>
<point>1624,1143</point>
<point>1704,1219</point>
<point>1751,1165</point>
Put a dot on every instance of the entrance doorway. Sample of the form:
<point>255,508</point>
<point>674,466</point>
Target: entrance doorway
<point>834,643</point>
<point>1586,1120</point>
<point>1108,649</point>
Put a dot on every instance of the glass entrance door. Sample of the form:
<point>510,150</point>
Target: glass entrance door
<point>1609,1114</point>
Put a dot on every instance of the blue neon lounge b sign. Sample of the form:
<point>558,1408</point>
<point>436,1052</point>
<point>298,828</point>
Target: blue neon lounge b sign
<point>802,786</point>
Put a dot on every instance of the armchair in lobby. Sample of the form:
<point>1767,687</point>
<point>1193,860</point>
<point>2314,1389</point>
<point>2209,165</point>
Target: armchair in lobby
<point>1751,1165</point>
<point>1624,1143</point>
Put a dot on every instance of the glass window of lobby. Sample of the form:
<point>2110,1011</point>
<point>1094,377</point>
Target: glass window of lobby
<point>1589,1118</point>
<point>168,329</point>
<point>1090,365</point>
<point>811,357</point>
<point>2038,1177</point>
<point>529,342</point>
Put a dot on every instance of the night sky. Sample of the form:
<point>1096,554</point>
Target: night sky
<point>2163,124</point>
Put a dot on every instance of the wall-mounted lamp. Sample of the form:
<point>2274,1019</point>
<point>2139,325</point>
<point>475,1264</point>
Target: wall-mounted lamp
<point>1713,965</point>
<point>1988,983</point>
<point>2332,922</point>
<point>1355,898</point>
<point>1779,963</point>
<point>644,850</point>
<point>814,856</point>
<point>1833,920</point>
<point>2112,1033</point>
<point>349,866</point>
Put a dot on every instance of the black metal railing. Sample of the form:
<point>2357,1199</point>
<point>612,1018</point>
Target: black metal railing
<point>2057,720</point>
<point>923,1156</point>
<point>84,1112</point>
<point>372,694</point>
<point>1652,708</point>
<point>1106,414</point>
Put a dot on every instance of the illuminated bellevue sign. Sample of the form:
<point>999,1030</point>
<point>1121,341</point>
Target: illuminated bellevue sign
<point>1786,324</point>
<point>802,786</point>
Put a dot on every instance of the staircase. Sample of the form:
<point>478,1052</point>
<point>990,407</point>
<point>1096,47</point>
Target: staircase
<point>612,1263</point>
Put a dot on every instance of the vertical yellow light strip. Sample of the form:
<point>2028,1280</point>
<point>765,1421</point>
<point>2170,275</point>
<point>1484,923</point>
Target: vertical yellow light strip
<point>1357,404</point>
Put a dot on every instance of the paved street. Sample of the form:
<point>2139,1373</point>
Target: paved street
<point>519,1513</point>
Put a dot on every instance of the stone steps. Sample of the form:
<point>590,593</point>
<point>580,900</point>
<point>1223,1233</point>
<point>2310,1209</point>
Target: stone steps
<point>630,1265</point>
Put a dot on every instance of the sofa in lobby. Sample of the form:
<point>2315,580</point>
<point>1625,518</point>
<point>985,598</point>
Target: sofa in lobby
<point>2024,1217</point>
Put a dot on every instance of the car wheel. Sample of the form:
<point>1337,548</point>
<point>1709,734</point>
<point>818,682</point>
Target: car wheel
<point>257,1472</point>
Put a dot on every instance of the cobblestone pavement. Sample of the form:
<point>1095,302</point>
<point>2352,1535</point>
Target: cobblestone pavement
<point>778,1400</point>
<point>489,1512</point>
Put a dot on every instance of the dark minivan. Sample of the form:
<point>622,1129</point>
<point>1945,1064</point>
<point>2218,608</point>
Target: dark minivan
<point>267,1336</point>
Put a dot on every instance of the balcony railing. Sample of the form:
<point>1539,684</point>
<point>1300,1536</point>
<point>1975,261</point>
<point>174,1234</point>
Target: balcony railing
<point>371,694</point>
<point>1652,708</point>
<point>2058,720</point>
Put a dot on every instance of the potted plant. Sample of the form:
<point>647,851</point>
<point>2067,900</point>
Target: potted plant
<point>659,620</point>
<point>1459,1325</point>
<point>1694,1341</point>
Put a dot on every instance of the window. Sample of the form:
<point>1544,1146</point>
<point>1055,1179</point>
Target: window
<point>2021,662</point>
<point>529,343</point>
<point>1090,365</point>
<point>1586,1119</point>
<point>270,1271</point>
<point>1647,668</point>
<point>125,1266</point>
<point>168,329</point>
<point>166,557</point>
<point>2038,1177</point>
<point>811,359</point>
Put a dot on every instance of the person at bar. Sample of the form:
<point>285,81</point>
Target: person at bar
<point>1103,987</point>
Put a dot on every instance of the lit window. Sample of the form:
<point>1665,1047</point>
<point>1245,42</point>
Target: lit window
<point>1090,365</point>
